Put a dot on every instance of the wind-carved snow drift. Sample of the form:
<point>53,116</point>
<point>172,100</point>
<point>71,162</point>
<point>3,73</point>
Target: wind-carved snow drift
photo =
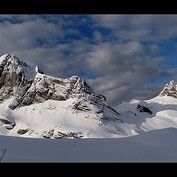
<point>23,89</point>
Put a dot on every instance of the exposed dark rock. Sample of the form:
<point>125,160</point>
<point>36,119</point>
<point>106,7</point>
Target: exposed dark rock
<point>39,70</point>
<point>99,111</point>
<point>9,126</point>
<point>48,134</point>
<point>61,135</point>
<point>22,131</point>
<point>6,122</point>
<point>142,107</point>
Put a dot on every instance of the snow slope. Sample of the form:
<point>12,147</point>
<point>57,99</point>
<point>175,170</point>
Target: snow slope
<point>153,146</point>
<point>51,118</point>
<point>164,111</point>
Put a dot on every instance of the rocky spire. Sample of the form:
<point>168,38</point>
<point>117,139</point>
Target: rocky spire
<point>170,89</point>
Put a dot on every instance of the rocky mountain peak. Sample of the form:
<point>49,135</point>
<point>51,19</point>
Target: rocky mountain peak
<point>170,89</point>
<point>15,77</point>
<point>18,81</point>
<point>12,65</point>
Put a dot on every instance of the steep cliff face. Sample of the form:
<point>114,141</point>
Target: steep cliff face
<point>15,77</point>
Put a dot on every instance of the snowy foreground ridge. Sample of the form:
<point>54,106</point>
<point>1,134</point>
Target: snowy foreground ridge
<point>45,108</point>
<point>154,146</point>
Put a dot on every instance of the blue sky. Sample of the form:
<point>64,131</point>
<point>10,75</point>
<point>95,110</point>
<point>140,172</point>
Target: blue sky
<point>123,57</point>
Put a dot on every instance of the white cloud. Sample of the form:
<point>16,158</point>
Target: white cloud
<point>124,68</point>
<point>152,28</point>
<point>24,35</point>
<point>122,64</point>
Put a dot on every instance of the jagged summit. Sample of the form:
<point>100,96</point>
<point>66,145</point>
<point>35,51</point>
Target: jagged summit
<point>15,77</point>
<point>12,65</point>
<point>170,89</point>
<point>16,81</point>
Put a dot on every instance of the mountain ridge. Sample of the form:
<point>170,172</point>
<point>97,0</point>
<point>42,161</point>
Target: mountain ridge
<point>34,104</point>
<point>22,86</point>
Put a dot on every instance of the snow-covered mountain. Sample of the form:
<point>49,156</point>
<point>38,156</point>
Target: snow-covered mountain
<point>170,89</point>
<point>34,104</point>
<point>157,113</point>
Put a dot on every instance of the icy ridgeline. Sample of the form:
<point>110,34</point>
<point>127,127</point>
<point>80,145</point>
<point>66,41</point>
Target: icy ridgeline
<point>34,104</point>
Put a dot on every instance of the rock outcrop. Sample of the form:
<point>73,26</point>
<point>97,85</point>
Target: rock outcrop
<point>143,107</point>
<point>170,89</point>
